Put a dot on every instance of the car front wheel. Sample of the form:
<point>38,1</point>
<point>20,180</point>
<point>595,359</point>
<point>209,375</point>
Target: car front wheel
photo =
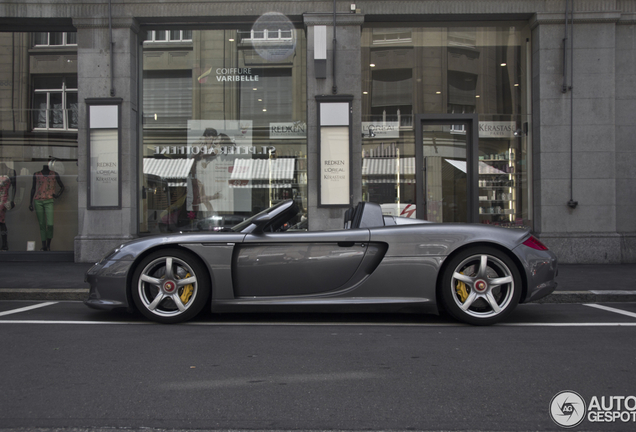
<point>170,286</point>
<point>480,286</point>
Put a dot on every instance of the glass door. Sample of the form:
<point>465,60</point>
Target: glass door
<point>447,168</point>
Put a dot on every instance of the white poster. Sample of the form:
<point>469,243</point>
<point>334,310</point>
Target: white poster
<point>104,168</point>
<point>334,166</point>
<point>215,145</point>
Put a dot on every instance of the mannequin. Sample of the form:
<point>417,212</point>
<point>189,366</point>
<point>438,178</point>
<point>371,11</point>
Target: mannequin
<point>7,195</point>
<point>42,196</point>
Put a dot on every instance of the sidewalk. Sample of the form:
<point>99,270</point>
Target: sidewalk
<point>65,281</point>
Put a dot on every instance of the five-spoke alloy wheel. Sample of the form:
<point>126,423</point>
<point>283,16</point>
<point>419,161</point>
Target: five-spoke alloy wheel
<point>480,286</point>
<point>170,286</point>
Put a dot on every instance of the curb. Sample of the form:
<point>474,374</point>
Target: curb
<point>556,297</point>
<point>589,297</point>
<point>43,294</point>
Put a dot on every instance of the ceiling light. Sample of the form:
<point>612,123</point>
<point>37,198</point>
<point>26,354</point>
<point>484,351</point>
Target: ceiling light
<point>503,64</point>
<point>516,84</point>
<point>477,96</point>
<point>372,65</point>
<point>438,92</point>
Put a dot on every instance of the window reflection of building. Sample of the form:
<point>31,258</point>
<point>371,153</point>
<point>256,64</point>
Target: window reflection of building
<point>222,80</point>
<point>38,124</point>
<point>55,102</point>
<point>168,36</point>
<point>456,70</point>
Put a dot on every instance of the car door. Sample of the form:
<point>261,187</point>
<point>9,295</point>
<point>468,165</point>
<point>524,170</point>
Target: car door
<point>297,263</point>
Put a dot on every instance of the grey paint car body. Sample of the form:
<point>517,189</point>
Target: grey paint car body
<point>378,268</point>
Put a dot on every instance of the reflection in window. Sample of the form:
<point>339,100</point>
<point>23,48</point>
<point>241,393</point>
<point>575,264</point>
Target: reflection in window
<point>449,69</point>
<point>224,127</point>
<point>269,99</point>
<point>55,103</point>
<point>168,36</point>
<point>167,97</point>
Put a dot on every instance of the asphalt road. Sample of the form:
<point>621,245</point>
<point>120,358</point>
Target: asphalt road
<point>66,367</point>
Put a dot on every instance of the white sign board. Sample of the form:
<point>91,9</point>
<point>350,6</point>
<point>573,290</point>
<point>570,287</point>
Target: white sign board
<point>334,166</point>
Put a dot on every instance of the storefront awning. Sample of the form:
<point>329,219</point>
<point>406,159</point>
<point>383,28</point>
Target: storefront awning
<point>388,166</point>
<point>484,168</point>
<point>263,169</point>
<point>169,169</point>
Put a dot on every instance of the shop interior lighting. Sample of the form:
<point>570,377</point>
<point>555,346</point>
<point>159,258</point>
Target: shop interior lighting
<point>231,39</point>
<point>372,65</point>
<point>365,92</point>
<point>516,84</point>
<point>438,92</point>
<point>477,96</point>
<point>503,64</point>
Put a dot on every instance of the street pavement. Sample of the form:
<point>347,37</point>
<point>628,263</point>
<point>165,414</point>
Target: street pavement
<point>578,283</point>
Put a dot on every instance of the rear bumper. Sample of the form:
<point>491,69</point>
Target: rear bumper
<point>541,269</point>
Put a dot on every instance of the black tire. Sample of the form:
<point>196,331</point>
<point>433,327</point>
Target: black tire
<point>480,286</point>
<point>161,283</point>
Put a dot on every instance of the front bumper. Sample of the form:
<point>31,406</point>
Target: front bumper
<point>108,285</point>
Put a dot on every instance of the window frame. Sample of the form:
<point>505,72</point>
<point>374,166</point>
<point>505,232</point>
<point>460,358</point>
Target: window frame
<point>64,43</point>
<point>48,91</point>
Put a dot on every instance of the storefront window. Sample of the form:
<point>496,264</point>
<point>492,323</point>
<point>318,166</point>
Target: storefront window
<point>224,127</point>
<point>446,70</point>
<point>38,142</point>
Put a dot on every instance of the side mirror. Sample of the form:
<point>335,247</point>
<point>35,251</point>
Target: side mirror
<point>260,221</point>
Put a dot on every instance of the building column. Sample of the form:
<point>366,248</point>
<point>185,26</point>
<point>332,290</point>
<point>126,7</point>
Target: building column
<point>574,136</point>
<point>348,81</point>
<point>100,230</point>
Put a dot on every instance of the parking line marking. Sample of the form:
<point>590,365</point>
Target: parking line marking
<point>611,309</point>
<point>70,322</point>
<point>27,308</point>
<point>335,324</point>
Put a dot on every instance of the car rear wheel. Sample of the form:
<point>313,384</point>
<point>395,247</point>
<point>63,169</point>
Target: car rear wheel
<point>170,286</point>
<point>480,286</point>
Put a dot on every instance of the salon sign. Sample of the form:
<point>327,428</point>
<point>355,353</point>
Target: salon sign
<point>497,129</point>
<point>380,130</point>
<point>288,130</point>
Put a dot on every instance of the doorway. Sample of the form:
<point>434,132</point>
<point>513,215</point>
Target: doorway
<point>446,167</point>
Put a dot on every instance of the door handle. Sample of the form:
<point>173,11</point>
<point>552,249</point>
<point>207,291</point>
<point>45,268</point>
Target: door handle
<point>346,244</point>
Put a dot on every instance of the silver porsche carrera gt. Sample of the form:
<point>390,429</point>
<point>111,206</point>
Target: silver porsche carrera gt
<point>377,263</point>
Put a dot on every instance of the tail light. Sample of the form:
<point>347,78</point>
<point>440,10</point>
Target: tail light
<point>534,243</point>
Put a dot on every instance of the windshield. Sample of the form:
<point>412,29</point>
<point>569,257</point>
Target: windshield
<point>247,222</point>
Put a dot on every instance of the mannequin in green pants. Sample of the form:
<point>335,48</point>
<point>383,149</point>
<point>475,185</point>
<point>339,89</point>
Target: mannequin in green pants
<point>42,195</point>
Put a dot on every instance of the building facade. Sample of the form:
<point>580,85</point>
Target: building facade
<point>123,119</point>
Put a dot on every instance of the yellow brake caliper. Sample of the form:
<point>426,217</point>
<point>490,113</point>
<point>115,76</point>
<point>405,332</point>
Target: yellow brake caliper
<point>461,290</point>
<point>187,292</point>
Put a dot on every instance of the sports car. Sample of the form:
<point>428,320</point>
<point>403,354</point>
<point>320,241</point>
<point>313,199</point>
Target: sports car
<point>376,263</point>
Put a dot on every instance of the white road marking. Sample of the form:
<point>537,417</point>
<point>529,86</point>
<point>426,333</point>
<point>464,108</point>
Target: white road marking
<point>27,308</point>
<point>610,309</point>
<point>332,324</point>
<point>584,324</point>
<point>70,322</point>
